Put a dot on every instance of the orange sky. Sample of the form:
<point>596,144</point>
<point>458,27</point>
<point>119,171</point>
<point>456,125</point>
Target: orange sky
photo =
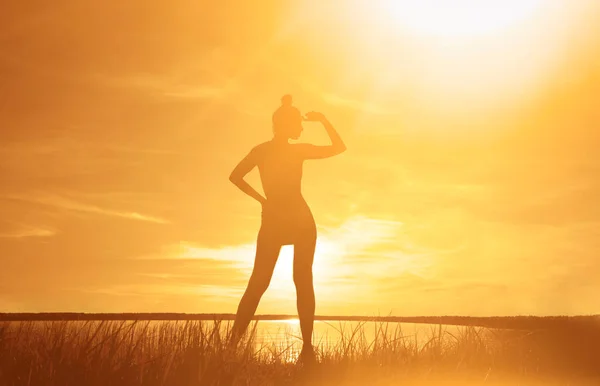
<point>470,184</point>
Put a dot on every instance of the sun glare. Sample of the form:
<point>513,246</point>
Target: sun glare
<point>447,18</point>
<point>450,58</point>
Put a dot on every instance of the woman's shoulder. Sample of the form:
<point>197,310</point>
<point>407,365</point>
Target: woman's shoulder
<point>261,147</point>
<point>260,151</point>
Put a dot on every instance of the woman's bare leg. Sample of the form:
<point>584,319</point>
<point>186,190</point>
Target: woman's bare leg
<point>267,252</point>
<point>304,252</point>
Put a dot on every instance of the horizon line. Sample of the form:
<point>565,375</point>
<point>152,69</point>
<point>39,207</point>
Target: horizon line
<point>510,322</point>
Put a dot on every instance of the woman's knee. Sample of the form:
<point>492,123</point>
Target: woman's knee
<point>303,278</point>
<point>258,284</point>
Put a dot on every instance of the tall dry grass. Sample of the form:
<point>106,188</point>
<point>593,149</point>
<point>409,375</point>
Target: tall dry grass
<point>195,353</point>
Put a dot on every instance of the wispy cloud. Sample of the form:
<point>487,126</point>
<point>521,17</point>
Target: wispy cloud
<point>156,289</point>
<point>166,85</point>
<point>355,253</point>
<point>29,231</point>
<point>72,155</point>
<point>76,206</point>
<point>196,92</point>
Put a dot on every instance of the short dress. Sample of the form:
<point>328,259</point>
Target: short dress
<point>288,223</point>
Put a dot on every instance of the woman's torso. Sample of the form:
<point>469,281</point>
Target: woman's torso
<point>280,168</point>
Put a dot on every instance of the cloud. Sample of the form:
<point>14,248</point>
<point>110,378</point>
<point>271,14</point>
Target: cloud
<point>352,255</point>
<point>15,152</point>
<point>66,158</point>
<point>29,231</point>
<point>162,290</point>
<point>196,92</point>
<point>72,205</point>
<point>166,85</point>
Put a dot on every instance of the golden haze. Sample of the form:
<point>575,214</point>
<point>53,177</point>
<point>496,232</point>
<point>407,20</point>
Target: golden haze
<point>470,184</point>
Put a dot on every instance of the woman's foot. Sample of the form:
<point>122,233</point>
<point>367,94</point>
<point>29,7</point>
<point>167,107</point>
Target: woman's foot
<point>307,356</point>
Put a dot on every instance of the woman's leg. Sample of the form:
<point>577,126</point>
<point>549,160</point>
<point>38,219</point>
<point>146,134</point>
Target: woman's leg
<point>304,252</point>
<point>267,252</point>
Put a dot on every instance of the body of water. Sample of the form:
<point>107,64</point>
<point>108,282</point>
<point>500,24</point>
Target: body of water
<point>339,334</point>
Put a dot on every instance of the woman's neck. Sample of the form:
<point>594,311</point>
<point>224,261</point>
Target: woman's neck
<point>278,139</point>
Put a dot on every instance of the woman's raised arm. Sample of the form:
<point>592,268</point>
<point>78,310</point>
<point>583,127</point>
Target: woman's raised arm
<point>337,145</point>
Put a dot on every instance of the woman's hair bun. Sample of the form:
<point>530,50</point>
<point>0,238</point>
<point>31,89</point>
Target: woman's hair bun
<point>286,100</point>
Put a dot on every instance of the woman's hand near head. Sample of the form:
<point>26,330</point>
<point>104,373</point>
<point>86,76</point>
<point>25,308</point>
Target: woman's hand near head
<point>313,152</point>
<point>313,116</point>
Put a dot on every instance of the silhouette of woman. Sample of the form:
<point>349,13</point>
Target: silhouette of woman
<point>286,217</point>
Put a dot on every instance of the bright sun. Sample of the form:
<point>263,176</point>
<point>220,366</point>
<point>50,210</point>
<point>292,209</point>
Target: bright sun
<point>452,56</point>
<point>447,18</point>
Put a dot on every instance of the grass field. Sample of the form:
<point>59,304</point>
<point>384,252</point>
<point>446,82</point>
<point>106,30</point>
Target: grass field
<point>190,352</point>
